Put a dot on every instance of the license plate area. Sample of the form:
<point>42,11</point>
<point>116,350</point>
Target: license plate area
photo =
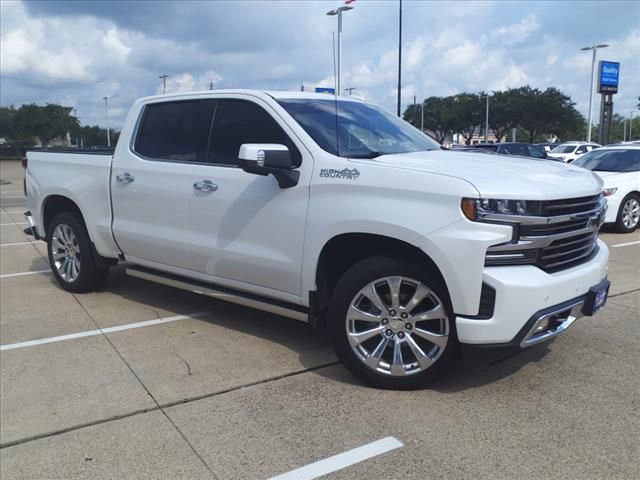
<point>596,298</point>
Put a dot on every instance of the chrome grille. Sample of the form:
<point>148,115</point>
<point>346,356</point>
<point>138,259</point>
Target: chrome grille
<point>565,235</point>
<point>573,205</point>
<point>566,252</point>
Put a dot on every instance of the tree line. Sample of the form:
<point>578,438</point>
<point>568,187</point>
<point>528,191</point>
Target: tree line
<point>537,114</point>
<point>22,127</point>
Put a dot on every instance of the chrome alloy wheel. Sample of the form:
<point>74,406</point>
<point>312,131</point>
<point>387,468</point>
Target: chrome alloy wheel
<point>631,213</point>
<point>65,252</point>
<point>397,326</point>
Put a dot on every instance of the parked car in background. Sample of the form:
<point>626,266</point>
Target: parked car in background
<point>619,168</point>
<point>510,148</point>
<point>547,147</point>
<point>569,151</point>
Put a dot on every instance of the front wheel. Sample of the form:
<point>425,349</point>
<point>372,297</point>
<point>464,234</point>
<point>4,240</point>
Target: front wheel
<point>629,214</point>
<point>391,324</point>
<point>71,255</point>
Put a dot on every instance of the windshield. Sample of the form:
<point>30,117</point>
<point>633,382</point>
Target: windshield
<point>364,131</point>
<point>618,160</point>
<point>564,149</point>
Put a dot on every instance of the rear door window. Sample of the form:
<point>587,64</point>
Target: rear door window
<point>176,131</point>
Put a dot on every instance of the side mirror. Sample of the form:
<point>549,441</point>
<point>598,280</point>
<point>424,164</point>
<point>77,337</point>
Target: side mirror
<point>269,158</point>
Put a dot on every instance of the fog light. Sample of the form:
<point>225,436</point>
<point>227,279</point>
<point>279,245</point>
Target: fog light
<point>543,326</point>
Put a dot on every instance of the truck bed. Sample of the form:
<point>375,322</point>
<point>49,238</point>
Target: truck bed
<point>82,177</point>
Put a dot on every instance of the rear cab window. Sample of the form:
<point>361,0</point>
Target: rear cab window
<point>177,131</point>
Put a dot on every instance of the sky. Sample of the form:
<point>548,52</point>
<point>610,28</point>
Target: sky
<point>75,53</point>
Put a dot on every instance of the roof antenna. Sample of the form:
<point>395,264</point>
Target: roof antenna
<point>335,91</point>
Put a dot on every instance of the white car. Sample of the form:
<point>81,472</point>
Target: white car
<point>619,168</point>
<point>333,212</point>
<point>569,151</point>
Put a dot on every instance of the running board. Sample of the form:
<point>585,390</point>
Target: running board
<point>250,300</point>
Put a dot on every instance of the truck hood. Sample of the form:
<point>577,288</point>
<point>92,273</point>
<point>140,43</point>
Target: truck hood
<point>502,176</point>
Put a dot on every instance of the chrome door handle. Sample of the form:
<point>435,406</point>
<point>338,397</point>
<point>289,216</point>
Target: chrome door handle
<point>205,186</point>
<point>125,178</point>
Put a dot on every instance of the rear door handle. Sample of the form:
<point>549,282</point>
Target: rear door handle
<point>125,178</point>
<point>205,186</point>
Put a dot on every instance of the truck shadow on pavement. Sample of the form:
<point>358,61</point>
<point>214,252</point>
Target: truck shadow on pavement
<point>311,344</point>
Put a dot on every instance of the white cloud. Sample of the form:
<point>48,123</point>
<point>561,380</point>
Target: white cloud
<point>518,32</point>
<point>448,48</point>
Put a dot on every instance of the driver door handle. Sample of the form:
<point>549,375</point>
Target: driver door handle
<point>205,186</point>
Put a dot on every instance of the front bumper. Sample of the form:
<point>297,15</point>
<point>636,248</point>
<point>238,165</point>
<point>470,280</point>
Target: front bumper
<point>524,293</point>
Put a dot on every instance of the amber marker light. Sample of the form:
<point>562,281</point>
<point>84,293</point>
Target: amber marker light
<point>469,208</point>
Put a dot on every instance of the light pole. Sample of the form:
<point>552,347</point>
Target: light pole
<point>399,54</point>
<point>630,124</point>
<point>164,77</point>
<point>338,12</point>
<point>593,67</point>
<point>106,115</point>
<point>486,121</point>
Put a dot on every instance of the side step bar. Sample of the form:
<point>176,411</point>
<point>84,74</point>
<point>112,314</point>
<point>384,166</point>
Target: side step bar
<point>250,300</point>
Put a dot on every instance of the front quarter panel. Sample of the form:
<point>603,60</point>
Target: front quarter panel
<point>349,196</point>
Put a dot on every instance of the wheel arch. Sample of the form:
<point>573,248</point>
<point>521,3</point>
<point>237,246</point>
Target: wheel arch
<point>55,204</point>
<point>344,250</point>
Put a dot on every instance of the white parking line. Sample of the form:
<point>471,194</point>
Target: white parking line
<point>15,223</point>
<point>625,244</point>
<point>17,243</point>
<point>22,274</point>
<point>91,333</point>
<point>342,460</point>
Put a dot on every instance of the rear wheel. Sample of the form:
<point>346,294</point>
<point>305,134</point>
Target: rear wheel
<point>391,324</point>
<point>71,255</point>
<point>629,214</point>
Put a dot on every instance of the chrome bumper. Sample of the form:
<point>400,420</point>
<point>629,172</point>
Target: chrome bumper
<point>553,323</point>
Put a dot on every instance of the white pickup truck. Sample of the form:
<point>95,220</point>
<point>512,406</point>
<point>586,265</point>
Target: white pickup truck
<point>334,212</point>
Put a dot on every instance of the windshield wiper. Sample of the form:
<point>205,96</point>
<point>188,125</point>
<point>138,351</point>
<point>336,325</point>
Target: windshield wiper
<point>374,154</point>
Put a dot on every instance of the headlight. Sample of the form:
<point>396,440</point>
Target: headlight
<point>474,209</point>
<point>609,191</point>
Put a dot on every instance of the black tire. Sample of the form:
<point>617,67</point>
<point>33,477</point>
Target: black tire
<point>89,277</point>
<point>620,224</point>
<point>367,272</point>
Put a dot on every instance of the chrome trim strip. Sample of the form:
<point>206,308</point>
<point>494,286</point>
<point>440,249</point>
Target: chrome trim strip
<point>531,220</point>
<point>542,241</point>
<point>531,338</point>
<point>557,206</point>
<point>573,259</point>
<point>568,252</point>
<point>211,291</point>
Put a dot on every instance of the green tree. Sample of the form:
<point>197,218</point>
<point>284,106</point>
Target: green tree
<point>14,133</point>
<point>466,114</point>
<point>438,117</point>
<point>503,111</point>
<point>95,136</point>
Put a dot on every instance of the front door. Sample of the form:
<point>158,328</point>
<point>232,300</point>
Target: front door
<point>247,232</point>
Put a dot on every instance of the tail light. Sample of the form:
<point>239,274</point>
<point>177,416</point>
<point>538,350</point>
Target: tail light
<point>24,162</point>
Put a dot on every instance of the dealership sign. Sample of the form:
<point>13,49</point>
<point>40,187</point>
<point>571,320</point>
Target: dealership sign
<point>608,77</point>
<point>332,91</point>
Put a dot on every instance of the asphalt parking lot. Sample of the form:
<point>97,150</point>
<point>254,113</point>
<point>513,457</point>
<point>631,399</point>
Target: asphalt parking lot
<point>205,389</point>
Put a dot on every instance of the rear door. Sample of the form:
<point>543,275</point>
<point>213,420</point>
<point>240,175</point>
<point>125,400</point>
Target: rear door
<point>151,186</point>
<point>247,232</point>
